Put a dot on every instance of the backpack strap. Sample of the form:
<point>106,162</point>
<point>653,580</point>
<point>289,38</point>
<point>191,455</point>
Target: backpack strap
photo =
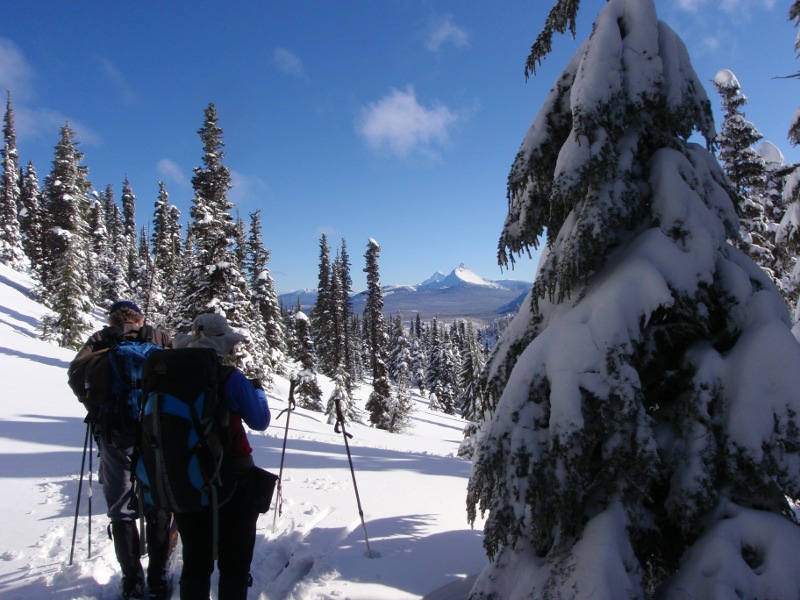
<point>146,333</point>
<point>109,337</point>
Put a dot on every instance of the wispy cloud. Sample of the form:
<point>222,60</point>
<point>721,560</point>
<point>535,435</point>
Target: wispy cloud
<point>170,171</point>
<point>247,188</point>
<point>289,63</point>
<point>118,81</point>
<point>404,126</point>
<point>728,6</point>
<point>43,123</point>
<point>15,72</point>
<point>444,31</point>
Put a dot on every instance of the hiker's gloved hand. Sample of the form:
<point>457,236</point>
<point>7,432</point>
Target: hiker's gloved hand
<point>257,384</point>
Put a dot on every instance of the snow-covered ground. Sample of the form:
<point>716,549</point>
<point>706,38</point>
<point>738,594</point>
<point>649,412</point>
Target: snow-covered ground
<point>412,489</point>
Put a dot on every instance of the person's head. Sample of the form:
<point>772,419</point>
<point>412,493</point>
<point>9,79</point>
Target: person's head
<point>125,311</point>
<point>211,330</point>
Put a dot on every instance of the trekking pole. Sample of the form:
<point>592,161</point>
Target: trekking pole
<point>289,408</point>
<point>345,436</point>
<point>78,501</point>
<point>91,453</point>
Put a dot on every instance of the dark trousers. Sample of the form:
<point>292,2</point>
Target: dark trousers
<point>237,536</point>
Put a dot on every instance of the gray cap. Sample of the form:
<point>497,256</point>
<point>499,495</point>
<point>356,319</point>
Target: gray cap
<point>210,330</point>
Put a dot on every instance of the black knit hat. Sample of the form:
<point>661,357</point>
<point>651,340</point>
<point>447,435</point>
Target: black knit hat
<point>124,304</point>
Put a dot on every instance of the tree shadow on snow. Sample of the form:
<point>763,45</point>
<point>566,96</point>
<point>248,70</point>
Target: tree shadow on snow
<point>401,549</point>
<point>311,454</point>
<point>46,360</point>
<point>46,429</point>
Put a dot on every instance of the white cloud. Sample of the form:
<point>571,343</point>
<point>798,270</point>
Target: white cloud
<point>15,72</point>
<point>398,122</point>
<point>728,6</point>
<point>118,81</point>
<point>44,123</point>
<point>169,170</point>
<point>289,63</point>
<point>444,31</point>
<point>246,188</point>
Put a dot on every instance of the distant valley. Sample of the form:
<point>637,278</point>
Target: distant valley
<point>460,294</point>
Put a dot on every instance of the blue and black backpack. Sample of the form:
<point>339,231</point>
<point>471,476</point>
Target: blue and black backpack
<point>183,463</point>
<point>112,380</point>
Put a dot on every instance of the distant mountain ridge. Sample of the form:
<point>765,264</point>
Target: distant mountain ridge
<point>460,294</point>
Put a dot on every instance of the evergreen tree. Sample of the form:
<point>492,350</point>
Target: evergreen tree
<point>213,281</point>
<point>308,391</point>
<point>64,286</point>
<point>321,314</point>
<point>31,218</point>
<point>264,296</point>
<point>130,250</point>
<point>626,389</point>
<point>443,371</point>
<point>745,169</point>
<point>346,308</point>
<point>399,350</point>
<point>379,403</point>
<point>98,250</point>
<point>794,128</point>
<point>470,393</point>
<point>12,253</point>
<point>113,262</point>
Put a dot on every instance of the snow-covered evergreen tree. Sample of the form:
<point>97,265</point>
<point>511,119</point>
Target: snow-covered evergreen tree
<point>350,349</point>
<point>745,170</point>
<point>794,128</point>
<point>64,285</point>
<point>443,371</point>
<point>12,253</point>
<point>322,318</point>
<point>644,437</point>
<point>380,399</point>
<point>308,391</point>
<point>31,218</point>
<point>264,296</point>
<point>110,258</point>
<point>470,397</point>
<point>214,282</point>
<point>399,350</point>
<point>129,250</point>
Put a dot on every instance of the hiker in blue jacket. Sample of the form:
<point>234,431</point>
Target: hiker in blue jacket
<point>238,516</point>
<point>115,442</point>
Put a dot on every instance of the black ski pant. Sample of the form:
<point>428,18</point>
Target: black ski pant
<point>237,537</point>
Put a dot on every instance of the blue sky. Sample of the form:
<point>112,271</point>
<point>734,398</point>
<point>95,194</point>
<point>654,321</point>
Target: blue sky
<point>396,120</point>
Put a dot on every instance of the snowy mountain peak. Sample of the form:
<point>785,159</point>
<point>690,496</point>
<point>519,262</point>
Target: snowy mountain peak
<point>433,279</point>
<point>461,275</point>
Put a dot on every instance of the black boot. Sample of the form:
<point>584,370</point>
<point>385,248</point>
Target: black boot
<point>194,589</point>
<point>158,530</point>
<point>234,588</point>
<point>126,546</point>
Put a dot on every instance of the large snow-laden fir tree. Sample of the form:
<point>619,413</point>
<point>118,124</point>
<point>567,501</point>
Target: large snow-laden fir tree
<point>214,281</point>
<point>643,435</point>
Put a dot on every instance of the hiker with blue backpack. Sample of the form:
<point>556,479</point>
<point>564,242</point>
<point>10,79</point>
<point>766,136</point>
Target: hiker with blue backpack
<point>195,458</point>
<point>106,376</point>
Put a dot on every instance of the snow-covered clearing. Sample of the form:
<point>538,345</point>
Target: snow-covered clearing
<point>412,489</point>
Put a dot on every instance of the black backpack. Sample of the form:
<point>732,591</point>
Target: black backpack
<point>183,462</point>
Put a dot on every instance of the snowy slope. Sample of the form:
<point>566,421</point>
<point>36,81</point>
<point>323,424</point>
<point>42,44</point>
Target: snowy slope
<point>412,489</point>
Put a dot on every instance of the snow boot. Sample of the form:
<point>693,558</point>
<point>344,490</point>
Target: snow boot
<point>195,589</point>
<point>234,588</point>
<point>126,546</point>
<point>157,531</point>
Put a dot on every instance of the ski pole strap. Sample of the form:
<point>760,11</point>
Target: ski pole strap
<point>291,404</point>
<point>338,427</point>
<point>291,401</point>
